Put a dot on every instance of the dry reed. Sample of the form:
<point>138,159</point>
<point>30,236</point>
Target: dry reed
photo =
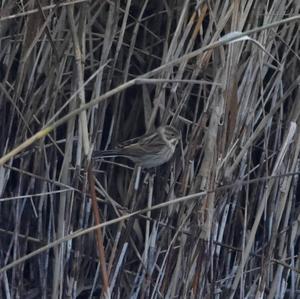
<point>221,220</point>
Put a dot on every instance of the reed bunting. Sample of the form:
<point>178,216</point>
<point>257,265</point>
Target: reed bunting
<point>149,150</point>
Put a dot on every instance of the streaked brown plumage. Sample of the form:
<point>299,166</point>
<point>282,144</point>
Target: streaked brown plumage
<point>150,150</point>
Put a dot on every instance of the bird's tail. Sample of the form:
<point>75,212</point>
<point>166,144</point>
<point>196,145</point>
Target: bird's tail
<point>105,154</point>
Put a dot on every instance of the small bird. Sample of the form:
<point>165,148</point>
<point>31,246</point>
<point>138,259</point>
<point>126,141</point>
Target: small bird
<point>149,150</point>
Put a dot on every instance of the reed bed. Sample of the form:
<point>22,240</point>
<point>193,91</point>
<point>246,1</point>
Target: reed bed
<point>220,220</point>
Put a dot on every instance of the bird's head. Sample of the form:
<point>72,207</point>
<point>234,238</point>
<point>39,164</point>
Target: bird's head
<point>170,134</point>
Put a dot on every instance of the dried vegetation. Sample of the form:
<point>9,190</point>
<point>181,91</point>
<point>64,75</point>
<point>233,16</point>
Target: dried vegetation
<point>221,220</point>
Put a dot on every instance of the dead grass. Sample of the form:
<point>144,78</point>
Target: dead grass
<point>221,220</point>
